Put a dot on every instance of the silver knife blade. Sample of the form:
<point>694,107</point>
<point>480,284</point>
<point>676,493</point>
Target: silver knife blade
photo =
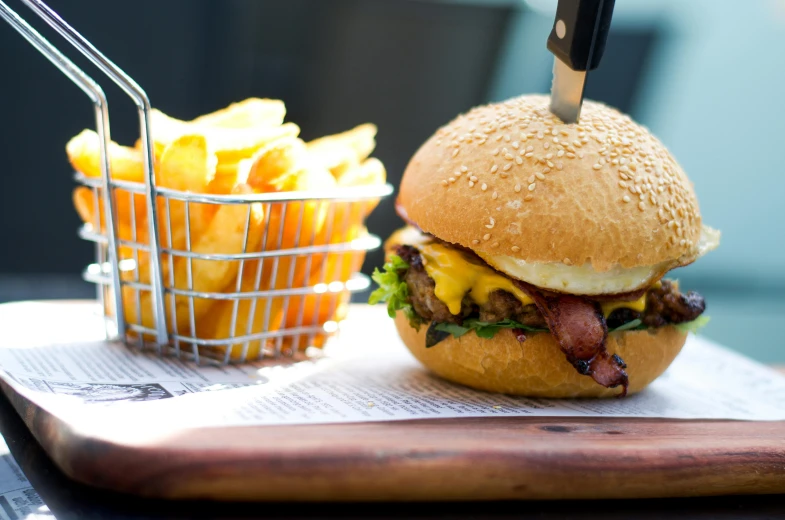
<point>567,92</point>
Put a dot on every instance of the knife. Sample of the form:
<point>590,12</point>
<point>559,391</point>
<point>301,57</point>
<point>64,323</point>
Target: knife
<point>577,41</point>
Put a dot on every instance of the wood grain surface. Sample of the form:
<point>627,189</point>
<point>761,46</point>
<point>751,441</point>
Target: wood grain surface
<point>444,459</point>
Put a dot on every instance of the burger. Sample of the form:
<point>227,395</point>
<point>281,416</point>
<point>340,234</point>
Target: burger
<point>534,254</point>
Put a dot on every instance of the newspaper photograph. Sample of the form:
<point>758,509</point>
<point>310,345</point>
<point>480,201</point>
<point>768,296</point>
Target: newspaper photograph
<point>360,377</point>
<point>18,499</point>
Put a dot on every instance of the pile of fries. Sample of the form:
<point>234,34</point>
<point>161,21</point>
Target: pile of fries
<point>245,148</point>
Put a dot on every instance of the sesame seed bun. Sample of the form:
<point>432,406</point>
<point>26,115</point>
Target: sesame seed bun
<point>516,185</point>
<point>537,367</point>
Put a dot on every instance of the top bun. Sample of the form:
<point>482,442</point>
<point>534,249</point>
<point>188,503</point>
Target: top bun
<point>513,183</point>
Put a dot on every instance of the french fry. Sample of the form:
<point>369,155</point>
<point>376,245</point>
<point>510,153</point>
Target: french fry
<point>84,202</point>
<point>227,176</point>
<point>275,165</point>
<point>84,154</point>
<point>338,152</point>
<point>187,164</point>
<point>249,113</point>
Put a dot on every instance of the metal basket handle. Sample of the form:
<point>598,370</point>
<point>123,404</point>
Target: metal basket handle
<point>97,96</point>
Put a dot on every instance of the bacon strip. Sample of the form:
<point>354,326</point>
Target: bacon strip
<point>579,327</point>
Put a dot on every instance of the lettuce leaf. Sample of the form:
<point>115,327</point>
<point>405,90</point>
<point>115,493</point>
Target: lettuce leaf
<point>483,329</point>
<point>695,325</point>
<point>393,290</point>
<point>488,330</point>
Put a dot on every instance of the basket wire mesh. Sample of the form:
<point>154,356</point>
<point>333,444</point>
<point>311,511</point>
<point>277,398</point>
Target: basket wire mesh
<point>290,259</point>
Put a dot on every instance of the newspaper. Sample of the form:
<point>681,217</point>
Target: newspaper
<point>366,374</point>
<point>18,499</point>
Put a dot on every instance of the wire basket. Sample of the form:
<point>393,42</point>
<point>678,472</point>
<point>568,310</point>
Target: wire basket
<point>281,280</point>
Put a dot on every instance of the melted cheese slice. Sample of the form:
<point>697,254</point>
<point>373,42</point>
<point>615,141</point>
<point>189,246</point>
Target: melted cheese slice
<point>455,277</point>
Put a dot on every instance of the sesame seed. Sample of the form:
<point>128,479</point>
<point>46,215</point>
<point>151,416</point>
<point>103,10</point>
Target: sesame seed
<point>494,168</point>
<point>451,179</point>
<point>532,186</point>
<point>546,145</point>
<point>518,161</point>
<point>682,242</point>
<point>495,196</point>
<point>473,178</point>
<point>515,249</point>
<point>564,132</point>
<point>455,152</point>
<point>516,144</point>
<point>554,132</point>
<point>626,198</point>
<point>528,197</point>
<point>577,143</point>
<point>471,184</point>
<point>566,261</point>
<point>506,137</point>
<point>498,137</point>
<point>508,156</point>
<point>622,184</point>
<point>495,151</point>
<point>555,140</point>
<point>486,236</point>
<point>531,178</point>
<point>597,166</point>
<point>540,176</point>
<point>530,148</point>
<point>540,135</point>
<point>484,187</point>
<point>481,141</point>
<point>464,169</point>
<point>560,153</point>
<point>503,175</point>
<point>570,155</point>
<point>550,164</point>
<point>507,167</point>
<point>549,156</point>
<point>529,154</point>
<point>475,241</point>
<point>559,165</point>
<point>493,223</point>
<point>444,183</point>
<point>495,244</point>
<point>517,188</point>
<point>641,206</point>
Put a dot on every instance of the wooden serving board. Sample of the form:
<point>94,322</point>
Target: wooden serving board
<point>444,459</point>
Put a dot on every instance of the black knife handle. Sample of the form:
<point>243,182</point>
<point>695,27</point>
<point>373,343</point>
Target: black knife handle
<point>580,31</point>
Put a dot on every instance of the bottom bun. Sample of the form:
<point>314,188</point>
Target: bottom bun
<point>537,367</point>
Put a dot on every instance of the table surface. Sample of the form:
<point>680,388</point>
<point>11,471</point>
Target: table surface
<point>67,499</point>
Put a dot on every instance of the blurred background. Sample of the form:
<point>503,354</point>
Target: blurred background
<point>705,76</point>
